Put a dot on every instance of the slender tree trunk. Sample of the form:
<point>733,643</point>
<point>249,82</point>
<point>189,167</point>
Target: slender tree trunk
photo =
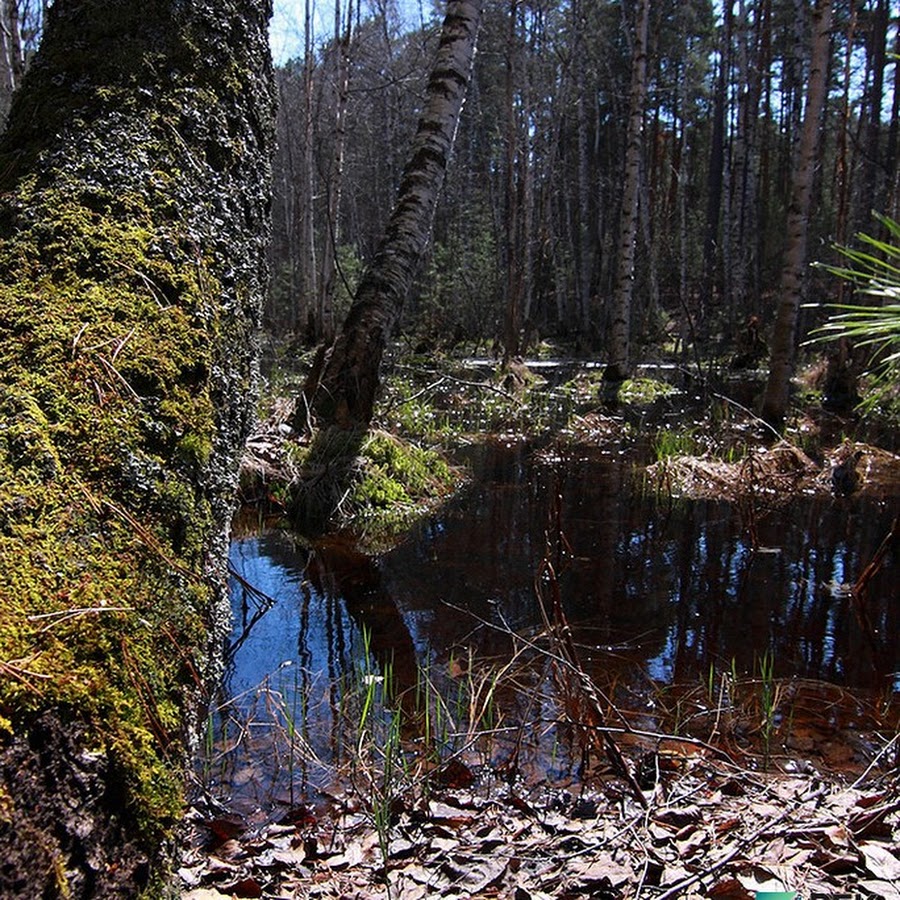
<point>335,179</point>
<point>891,153</point>
<point>11,60</point>
<point>619,364</point>
<point>512,328</point>
<point>843,163</point>
<point>345,393</point>
<point>781,360</point>
<point>583,230</point>
<point>306,301</point>
<point>714,185</point>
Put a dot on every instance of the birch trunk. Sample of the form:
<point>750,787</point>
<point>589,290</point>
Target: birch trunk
<point>335,179</point>
<point>11,60</point>
<point>345,393</point>
<point>620,338</point>
<point>781,360</point>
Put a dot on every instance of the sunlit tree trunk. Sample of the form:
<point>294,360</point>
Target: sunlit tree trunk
<point>714,185</point>
<point>781,360</point>
<point>583,226</point>
<point>345,392</point>
<point>11,61</point>
<point>335,171</point>
<point>843,154</point>
<point>306,301</point>
<point>512,329</point>
<point>619,364</point>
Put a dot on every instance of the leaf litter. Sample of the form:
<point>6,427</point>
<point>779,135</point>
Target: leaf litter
<point>699,836</point>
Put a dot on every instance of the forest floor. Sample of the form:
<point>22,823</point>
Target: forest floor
<point>654,815</point>
<point>710,829</point>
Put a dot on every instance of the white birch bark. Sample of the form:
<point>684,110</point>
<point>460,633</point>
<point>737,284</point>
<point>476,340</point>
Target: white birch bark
<point>781,360</point>
<point>345,394</point>
<point>620,337</point>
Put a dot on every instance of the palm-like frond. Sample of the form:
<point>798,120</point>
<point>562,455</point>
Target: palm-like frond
<point>874,270</point>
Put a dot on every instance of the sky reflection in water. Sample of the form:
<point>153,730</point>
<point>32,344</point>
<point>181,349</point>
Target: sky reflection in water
<point>659,592</point>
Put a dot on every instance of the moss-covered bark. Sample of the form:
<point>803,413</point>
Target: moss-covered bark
<point>133,221</point>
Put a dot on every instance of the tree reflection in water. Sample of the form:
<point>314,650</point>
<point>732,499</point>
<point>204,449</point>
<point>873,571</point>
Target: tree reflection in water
<point>658,593</point>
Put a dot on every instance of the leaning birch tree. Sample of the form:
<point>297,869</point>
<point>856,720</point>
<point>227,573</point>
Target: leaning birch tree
<point>619,364</point>
<point>342,387</point>
<point>782,348</point>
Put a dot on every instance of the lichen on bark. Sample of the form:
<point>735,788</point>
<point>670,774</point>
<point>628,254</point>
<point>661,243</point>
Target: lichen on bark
<point>134,196</point>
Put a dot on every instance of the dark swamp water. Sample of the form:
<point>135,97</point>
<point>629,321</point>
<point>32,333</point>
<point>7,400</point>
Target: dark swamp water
<point>659,594</point>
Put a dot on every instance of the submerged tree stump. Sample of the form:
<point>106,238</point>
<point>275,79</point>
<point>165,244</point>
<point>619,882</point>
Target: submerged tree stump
<point>134,193</point>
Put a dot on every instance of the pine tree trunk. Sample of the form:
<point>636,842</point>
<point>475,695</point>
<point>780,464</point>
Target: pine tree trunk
<point>345,393</point>
<point>781,360</point>
<point>134,193</point>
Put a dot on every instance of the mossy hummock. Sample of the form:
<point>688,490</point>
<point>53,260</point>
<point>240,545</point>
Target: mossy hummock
<point>133,221</point>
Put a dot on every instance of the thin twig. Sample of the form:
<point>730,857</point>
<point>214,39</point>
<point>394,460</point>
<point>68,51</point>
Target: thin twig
<point>891,743</point>
<point>678,888</point>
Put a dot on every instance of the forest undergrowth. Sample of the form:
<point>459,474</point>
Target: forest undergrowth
<point>736,783</point>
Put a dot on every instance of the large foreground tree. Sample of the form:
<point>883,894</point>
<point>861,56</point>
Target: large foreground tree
<point>134,195</point>
<point>342,389</point>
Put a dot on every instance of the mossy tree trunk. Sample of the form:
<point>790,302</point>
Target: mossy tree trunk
<point>134,195</point>
<point>342,389</point>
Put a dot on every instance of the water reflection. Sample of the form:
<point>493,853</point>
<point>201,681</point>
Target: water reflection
<point>657,591</point>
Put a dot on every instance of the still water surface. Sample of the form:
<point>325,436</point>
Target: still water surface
<point>657,592</point>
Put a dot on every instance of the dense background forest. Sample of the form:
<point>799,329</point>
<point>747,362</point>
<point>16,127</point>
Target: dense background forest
<point>527,239</point>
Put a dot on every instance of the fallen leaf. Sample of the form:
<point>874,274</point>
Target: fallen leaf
<point>289,856</point>
<point>443,812</point>
<point>761,881</point>
<point>205,894</point>
<point>248,888</point>
<point>678,817</point>
<point>880,861</point>
<point>730,889</point>
<point>474,875</point>
<point>600,868</point>
<point>883,889</point>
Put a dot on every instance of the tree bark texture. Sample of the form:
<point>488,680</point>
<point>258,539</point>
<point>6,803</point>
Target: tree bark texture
<point>134,202</point>
<point>619,364</point>
<point>12,64</point>
<point>782,349</point>
<point>345,394</point>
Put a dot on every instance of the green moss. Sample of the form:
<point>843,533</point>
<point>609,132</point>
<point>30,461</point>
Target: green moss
<point>643,391</point>
<point>397,483</point>
<point>105,421</point>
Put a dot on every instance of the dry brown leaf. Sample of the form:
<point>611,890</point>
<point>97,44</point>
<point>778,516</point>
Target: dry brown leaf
<point>692,844</point>
<point>599,868</point>
<point>473,874</point>
<point>838,836</point>
<point>883,889</point>
<point>205,894</point>
<point>443,812</point>
<point>880,861</point>
<point>730,889</point>
<point>678,817</point>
